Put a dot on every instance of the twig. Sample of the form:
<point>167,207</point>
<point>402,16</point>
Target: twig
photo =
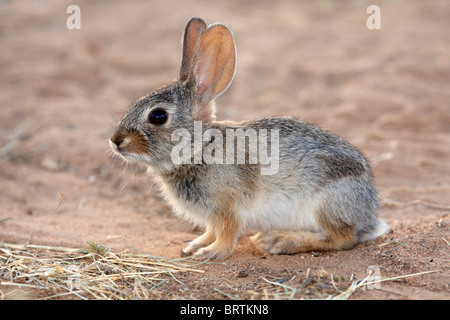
<point>46,218</point>
<point>389,242</point>
<point>308,279</point>
<point>285,287</point>
<point>334,285</point>
<point>225,294</point>
<point>24,285</point>
<point>429,205</point>
<point>69,290</point>
<point>15,246</point>
<point>355,285</point>
<point>446,241</point>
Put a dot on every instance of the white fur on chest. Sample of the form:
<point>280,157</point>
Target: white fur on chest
<point>193,213</point>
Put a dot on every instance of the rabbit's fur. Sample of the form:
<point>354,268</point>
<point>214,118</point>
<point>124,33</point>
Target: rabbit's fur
<point>321,198</point>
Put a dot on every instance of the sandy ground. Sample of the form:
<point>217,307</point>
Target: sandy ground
<point>386,91</point>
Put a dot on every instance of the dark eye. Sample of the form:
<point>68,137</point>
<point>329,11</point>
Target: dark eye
<point>158,117</point>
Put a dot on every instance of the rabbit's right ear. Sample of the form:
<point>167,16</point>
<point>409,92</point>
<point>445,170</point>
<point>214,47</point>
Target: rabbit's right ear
<point>192,33</point>
<point>214,62</point>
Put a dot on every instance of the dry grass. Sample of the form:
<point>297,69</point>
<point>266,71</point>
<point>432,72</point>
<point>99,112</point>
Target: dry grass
<point>319,285</point>
<point>97,273</point>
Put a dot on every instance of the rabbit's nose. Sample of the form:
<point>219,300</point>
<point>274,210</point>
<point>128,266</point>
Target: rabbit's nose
<point>118,141</point>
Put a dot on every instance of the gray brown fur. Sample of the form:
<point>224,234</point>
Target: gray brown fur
<point>322,198</point>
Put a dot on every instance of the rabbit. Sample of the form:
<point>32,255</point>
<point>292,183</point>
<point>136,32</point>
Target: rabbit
<point>322,197</point>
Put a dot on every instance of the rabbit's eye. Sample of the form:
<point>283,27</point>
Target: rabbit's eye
<point>158,117</point>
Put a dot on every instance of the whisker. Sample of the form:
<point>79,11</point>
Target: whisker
<point>113,124</point>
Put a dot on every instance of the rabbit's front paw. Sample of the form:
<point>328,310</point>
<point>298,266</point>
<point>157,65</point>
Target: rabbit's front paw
<point>192,248</point>
<point>205,239</point>
<point>212,252</point>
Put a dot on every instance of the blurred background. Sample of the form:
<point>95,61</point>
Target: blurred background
<point>61,91</point>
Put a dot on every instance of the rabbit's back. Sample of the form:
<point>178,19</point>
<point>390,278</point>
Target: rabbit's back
<point>318,171</point>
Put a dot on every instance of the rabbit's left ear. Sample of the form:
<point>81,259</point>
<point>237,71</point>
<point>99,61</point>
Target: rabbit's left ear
<point>194,29</point>
<point>214,62</point>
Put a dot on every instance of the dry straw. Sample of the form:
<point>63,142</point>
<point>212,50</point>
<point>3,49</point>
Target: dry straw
<point>98,273</point>
<point>94,273</point>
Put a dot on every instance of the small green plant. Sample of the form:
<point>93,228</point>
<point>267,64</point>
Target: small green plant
<point>97,248</point>
<point>4,220</point>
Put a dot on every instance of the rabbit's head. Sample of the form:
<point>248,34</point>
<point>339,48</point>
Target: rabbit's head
<point>208,65</point>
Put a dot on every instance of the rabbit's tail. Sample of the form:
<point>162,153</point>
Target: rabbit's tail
<point>379,229</point>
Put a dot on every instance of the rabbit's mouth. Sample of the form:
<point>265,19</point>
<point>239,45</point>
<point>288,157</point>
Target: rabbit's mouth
<point>122,150</point>
<point>132,146</point>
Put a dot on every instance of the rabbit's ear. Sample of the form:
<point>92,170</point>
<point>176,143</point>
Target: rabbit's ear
<point>214,62</point>
<point>194,29</point>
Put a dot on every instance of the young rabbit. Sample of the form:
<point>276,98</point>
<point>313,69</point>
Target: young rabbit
<point>322,196</point>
